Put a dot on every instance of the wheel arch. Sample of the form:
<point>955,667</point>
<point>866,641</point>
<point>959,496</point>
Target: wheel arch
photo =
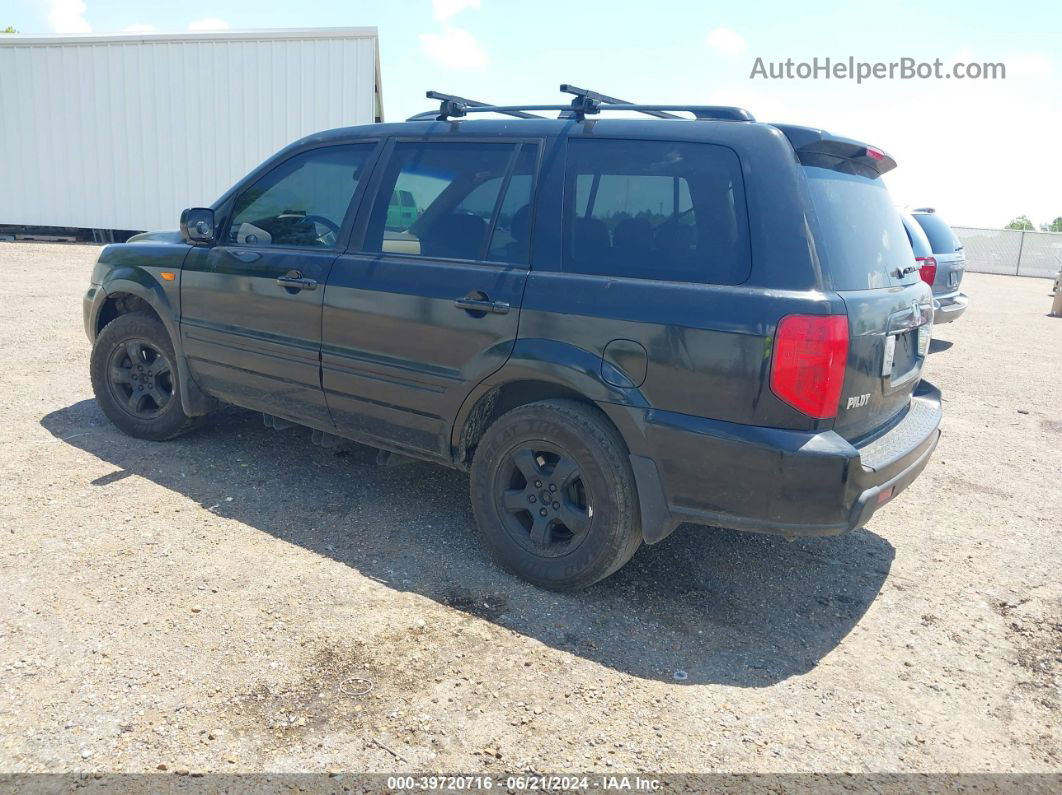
<point>119,303</point>
<point>575,374</point>
<point>135,290</point>
<point>540,370</point>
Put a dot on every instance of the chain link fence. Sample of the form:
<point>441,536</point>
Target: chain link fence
<point>1012,252</point>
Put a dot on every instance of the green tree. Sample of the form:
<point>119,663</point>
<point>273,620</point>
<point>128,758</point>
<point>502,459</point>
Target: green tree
<point>1054,226</point>
<point>1021,222</point>
<point>9,29</point>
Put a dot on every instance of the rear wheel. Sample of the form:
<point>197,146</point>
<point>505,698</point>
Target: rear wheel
<point>135,379</point>
<point>554,495</point>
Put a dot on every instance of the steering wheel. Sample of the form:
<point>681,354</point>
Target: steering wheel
<point>332,227</point>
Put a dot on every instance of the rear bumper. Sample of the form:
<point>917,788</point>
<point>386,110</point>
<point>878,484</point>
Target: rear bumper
<point>948,308</point>
<point>769,480</point>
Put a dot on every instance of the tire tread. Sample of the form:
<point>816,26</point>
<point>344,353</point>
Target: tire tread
<point>610,452</point>
<point>168,426</point>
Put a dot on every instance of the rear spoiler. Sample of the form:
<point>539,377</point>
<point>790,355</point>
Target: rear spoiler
<point>818,147</point>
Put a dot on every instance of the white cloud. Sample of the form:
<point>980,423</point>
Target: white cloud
<point>139,27</point>
<point>444,10</point>
<point>1030,64</point>
<point>208,23</point>
<point>726,41</point>
<point>454,48</point>
<point>68,16</point>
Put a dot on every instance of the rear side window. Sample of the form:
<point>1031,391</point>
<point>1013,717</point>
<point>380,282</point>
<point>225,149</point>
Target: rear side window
<point>655,210</point>
<point>861,240</point>
<point>455,200</point>
<point>941,238</point>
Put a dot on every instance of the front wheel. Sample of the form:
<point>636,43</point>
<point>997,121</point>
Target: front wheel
<point>135,379</point>
<point>554,496</point>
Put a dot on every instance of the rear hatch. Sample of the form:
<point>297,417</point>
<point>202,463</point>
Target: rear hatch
<point>867,260</point>
<point>947,250</point>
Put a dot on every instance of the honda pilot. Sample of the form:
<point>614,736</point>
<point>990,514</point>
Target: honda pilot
<point>615,325</point>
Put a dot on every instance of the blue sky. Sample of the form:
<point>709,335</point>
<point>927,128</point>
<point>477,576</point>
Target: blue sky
<point>981,151</point>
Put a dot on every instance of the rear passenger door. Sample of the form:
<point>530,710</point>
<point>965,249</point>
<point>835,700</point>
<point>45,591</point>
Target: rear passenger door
<point>641,278</point>
<point>426,304</point>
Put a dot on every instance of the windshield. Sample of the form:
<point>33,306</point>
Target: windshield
<point>860,239</point>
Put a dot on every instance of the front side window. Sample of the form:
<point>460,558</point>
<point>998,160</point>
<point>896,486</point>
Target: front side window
<point>655,210</point>
<point>302,202</point>
<point>445,200</point>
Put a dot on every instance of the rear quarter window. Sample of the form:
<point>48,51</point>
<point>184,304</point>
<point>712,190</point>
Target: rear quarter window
<point>663,210</point>
<point>860,239</point>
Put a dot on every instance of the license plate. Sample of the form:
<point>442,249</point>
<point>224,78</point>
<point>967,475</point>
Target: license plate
<point>925,334</point>
<point>953,278</point>
<point>890,355</point>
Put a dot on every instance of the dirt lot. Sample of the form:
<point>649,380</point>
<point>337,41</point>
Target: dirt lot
<point>242,600</point>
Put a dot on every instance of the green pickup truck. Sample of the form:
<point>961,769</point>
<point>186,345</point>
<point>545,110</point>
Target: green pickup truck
<point>402,211</point>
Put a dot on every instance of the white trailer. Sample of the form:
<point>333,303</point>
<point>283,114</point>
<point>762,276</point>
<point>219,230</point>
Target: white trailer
<point>123,131</point>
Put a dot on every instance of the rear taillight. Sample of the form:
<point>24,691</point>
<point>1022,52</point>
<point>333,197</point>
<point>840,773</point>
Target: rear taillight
<point>807,369</point>
<point>928,269</point>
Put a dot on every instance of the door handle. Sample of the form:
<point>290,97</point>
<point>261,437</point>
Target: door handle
<point>293,280</point>
<point>482,305</point>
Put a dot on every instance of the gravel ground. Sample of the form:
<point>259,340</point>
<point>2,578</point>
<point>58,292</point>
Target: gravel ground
<point>240,600</point>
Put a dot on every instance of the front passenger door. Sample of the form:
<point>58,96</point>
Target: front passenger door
<point>251,304</point>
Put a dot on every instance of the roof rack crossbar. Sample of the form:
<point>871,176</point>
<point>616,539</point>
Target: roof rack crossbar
<point>718,112</point>
<point>453,106</point>
<point>586,100</point>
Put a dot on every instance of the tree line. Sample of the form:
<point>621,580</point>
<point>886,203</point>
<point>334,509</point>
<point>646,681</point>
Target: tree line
<point>1023,222</point>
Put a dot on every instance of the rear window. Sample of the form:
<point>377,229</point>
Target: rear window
<point>919,241</point>
<point>941,238</point>
<point>861,240</point>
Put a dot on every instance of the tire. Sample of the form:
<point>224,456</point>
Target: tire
<point>554,495</point>
<point>135,378</point>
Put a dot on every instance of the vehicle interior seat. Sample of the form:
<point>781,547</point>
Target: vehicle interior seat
<point>455,236</point>
<point>632,243</point>
<point>520,229</point>
<point>591,245</point>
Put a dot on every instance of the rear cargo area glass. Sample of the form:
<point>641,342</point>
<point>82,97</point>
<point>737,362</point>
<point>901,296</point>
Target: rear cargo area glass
<point>860,238</point>
<point>941,238</point>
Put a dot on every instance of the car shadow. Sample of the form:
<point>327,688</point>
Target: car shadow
<point>938,345</point>
<point>703,606</point>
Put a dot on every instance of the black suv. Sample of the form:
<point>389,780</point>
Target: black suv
<point>616,324</point>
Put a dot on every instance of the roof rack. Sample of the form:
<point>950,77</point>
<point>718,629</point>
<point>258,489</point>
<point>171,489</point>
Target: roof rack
<point>453,106</point>
<point>585,103</point>
<point>585,100</point>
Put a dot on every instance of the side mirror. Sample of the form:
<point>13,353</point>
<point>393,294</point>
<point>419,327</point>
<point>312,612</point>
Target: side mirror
<point>197,225</point>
